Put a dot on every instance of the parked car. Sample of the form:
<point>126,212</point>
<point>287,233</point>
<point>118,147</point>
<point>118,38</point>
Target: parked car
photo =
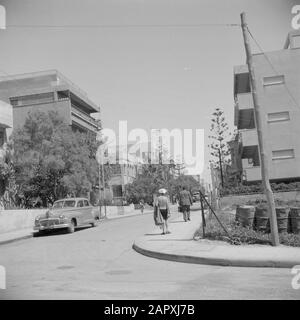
<point>68,214</point>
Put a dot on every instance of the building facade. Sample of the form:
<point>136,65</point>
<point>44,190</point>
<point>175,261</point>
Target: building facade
<point>45,91</point>
<point>278,81</point>
<point>6,122</point>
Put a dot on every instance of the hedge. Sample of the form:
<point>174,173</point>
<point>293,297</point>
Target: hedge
<point>258,188</point>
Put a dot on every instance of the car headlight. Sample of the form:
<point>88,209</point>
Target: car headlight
<point>37,220</point>
<point>62,217</point>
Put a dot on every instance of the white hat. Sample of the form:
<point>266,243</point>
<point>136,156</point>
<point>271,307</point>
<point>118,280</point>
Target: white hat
<point>162,191</point>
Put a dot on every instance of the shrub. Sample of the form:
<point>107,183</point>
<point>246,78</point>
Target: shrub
<point>242,235</point>
<point>258,188</point>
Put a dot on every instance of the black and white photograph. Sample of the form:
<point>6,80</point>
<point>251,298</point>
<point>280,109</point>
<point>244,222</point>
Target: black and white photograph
<point>149,151</point>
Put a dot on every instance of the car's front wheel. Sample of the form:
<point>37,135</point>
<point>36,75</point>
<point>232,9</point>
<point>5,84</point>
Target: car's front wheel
<point>71,227</point>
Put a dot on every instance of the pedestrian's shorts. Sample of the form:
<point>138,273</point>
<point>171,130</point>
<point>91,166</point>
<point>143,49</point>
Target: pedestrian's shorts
<point>164,213</point>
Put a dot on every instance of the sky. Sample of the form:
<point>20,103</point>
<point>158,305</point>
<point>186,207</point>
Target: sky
<point>139,59</point>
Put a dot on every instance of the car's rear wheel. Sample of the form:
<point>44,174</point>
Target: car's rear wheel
<point>94,224</point>
<point>71,227</point>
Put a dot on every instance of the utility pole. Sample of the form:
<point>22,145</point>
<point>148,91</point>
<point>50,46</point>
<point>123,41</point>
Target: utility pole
<point>100,159</point>
<point>100,194</point>
<point>103,184</point>
<point>99,166</point>
<point>261,141</point>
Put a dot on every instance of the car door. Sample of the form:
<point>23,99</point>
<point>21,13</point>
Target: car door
<point>80,212</point>
<point>89,214</point>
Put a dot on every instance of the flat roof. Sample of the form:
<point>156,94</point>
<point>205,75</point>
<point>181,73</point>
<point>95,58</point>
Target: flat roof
<point>77,91</point>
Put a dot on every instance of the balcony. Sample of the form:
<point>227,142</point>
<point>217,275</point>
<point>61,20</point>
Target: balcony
<point>249,137</point>
<point>252,174</point>
<point>84,119</point>
<point>244,101</point>
<point>244,119</point>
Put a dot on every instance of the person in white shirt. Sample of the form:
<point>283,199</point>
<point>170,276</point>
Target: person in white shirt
<point>162,203</point>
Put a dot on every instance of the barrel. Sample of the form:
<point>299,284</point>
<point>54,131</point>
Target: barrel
<point>295,219</point>
<point>282,214</point>
<point>245,215</point>
<point>262,222</point>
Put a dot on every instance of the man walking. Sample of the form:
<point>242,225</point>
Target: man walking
<point>185,201</point>
<point>163,208</point>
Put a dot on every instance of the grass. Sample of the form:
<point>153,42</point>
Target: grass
<point>241,235</point>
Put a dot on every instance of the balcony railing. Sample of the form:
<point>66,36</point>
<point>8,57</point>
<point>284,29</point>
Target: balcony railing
<point>249,137</point>
<point>252,173</point>
<point>84,116</point>
<point>244,101</point>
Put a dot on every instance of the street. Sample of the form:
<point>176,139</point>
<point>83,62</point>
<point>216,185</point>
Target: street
<point>99,263</point>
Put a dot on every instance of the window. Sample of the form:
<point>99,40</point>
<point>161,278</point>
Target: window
<point>117,190</point>
<point>69,204</point>
<point>283,154</point>
<point>86,203</point>
<point>278,116</point>
<point>32,99</point>
<point>62,95</point>
<point>269,81</point>
<point>80,204</point>
<point>58,205</point>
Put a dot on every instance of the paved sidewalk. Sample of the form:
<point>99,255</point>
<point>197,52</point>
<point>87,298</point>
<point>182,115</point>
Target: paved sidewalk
<point>180,246</point>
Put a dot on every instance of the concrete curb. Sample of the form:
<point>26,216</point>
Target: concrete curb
<point>28,236</point>
<point>233,259</point>
<point>229,262</point>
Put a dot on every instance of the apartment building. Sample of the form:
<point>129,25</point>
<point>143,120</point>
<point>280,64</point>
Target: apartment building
<point>49,90</point>
<point>6,122</point>
<point>123,169</point>
<point>278,83</point>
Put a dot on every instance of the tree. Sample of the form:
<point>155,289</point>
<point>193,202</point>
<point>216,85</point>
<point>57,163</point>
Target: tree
<point>51,161</point>
<point>151,178</point>
<point>187,181</point>
<point>219,136</point>
<point>7,181</point>
<point>154,177</point>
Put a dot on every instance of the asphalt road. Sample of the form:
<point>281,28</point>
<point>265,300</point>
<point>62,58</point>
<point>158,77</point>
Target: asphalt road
<point>99,263</point>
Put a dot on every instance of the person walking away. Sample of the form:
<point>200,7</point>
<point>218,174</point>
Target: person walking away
<point>142,206</point>
<point>185,201</point>
<point>164,209</point>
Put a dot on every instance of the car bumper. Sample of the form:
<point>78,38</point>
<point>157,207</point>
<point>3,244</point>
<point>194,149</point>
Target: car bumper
<point>52,227</point>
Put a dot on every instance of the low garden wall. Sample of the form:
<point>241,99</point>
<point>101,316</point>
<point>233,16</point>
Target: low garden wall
<point>235,200</point>
<point>113,211</point>
<point>14,220</point>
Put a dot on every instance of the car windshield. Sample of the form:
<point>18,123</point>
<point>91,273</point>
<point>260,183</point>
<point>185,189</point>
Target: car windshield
<point>69,203</point>
<point>58,205</point>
